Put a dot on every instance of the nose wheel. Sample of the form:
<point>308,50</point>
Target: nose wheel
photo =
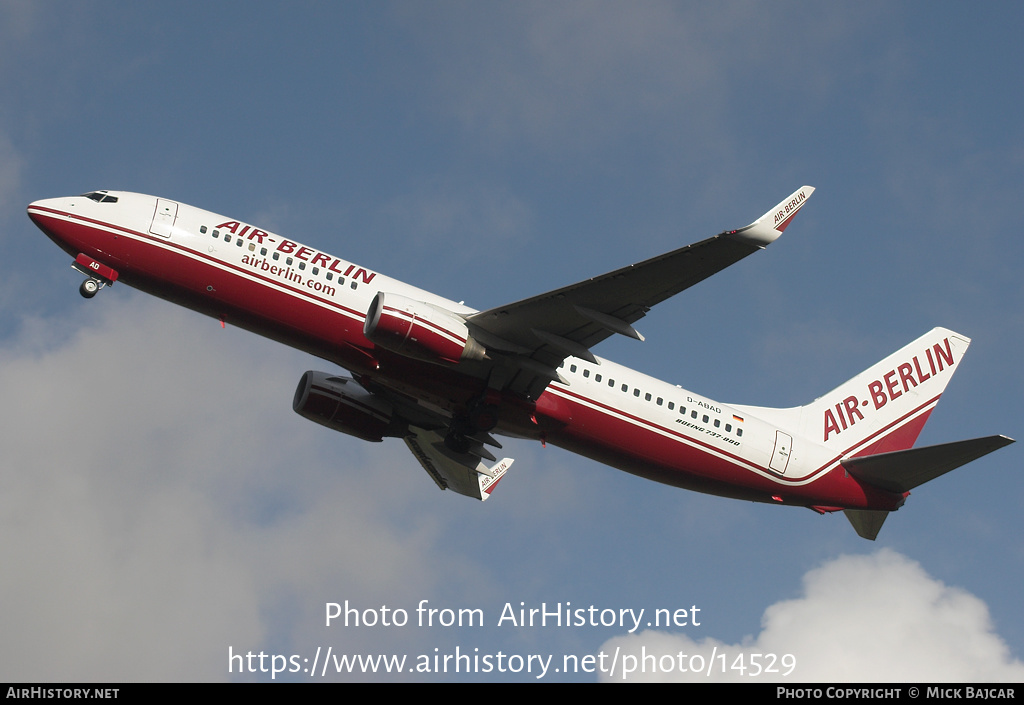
<point>89,288</point>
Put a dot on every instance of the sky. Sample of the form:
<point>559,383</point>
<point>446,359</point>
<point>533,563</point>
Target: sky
<point>163,512</point>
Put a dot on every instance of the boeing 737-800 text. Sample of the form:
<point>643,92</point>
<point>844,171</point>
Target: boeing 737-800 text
<point>445,377</point>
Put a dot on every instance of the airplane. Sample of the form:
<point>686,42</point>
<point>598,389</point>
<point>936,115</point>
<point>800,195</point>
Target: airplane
<point>447,378</point>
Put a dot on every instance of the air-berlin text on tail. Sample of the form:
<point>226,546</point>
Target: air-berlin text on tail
<point>901,379</point>
<point>294,249</point>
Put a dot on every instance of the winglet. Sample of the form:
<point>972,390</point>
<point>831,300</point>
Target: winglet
<point>766,229</point>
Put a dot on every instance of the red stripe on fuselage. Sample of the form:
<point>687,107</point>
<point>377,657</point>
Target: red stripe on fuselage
<point>647,449</point>
<point>330,330</point>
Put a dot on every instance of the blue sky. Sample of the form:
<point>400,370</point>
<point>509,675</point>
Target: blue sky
<point>160,501</point>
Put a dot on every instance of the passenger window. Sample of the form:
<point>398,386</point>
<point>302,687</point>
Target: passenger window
<point>636,392</point>
<point>202,229</point>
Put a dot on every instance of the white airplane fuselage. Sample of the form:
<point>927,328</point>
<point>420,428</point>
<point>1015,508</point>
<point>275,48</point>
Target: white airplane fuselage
<point>317,302</point>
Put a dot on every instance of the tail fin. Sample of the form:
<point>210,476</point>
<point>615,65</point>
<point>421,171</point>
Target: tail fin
<point>871,422</point>
<point>884,408</point>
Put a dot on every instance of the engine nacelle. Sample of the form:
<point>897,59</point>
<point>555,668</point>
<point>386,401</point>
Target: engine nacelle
<point>419,330</point>
<point>339,403</point>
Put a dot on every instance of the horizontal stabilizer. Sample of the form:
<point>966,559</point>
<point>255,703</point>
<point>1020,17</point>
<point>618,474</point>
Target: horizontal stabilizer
<point>866,522</point>
<point>903,470</point>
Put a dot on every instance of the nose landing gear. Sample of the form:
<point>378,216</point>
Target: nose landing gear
<point>99,275</point>
<point>89,288</point>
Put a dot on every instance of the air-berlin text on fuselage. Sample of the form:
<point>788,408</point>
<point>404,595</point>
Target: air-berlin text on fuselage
<point>294,249</point>
<point>893,384</point>
<point>788,209</point>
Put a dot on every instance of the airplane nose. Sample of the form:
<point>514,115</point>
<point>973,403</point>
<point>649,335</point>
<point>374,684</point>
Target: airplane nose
<point>34,210</point>
<point>50,209</point>
<point>46,205</point>
<point>49,215</point>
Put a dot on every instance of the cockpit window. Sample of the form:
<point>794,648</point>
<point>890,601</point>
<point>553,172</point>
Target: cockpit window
<point>100,197</point>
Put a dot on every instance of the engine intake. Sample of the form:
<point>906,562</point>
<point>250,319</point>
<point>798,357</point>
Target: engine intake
<point>419,330</point>
<point>341,404</point>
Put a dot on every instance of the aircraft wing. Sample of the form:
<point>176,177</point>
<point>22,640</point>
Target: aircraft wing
<point>538,333</point>
<point>463,473</point>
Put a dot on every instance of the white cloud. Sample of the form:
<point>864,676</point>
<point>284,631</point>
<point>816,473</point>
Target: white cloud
<point>153,511</point>
<point>874,618</point>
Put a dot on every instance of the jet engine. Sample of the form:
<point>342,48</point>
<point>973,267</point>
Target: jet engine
<point>419,330</point>
<point>341,404</point>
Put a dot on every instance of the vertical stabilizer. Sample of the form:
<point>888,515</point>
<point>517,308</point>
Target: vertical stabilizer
<point>885,407</point>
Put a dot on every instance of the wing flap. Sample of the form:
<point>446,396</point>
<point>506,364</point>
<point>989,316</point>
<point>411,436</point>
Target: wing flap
<point>463,473</point>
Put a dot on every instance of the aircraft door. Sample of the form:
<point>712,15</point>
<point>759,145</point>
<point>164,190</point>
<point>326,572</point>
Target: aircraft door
<point>783,449</point>
<point>163,217</point>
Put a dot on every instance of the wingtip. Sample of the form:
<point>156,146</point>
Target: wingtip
<point>767,229</point>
